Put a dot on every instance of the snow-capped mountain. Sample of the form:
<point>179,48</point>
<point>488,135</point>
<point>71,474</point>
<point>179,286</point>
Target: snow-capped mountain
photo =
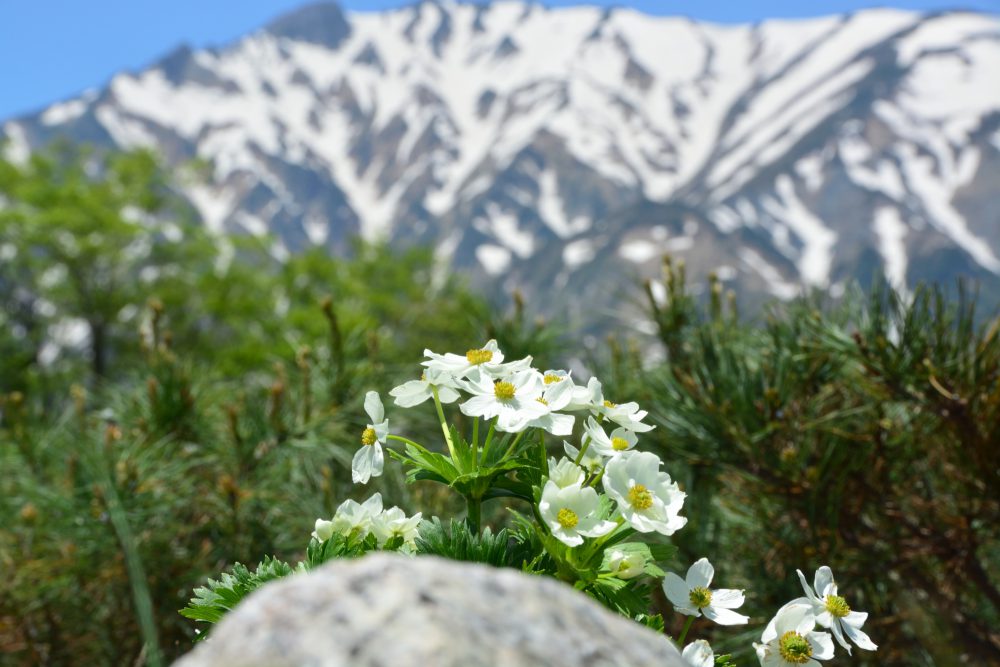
<point>564,151</point>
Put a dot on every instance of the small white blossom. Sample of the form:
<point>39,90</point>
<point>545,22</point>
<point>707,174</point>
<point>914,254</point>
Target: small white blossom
<point>415,392</point>
<point>513,402</point>
<point>590,397</point>
<point>626,564</point>
<point>350,517</point>
<point>627,415</point>
<point>394,523</point>
<point>557,391</point>
<point>790,640</point>
<point>573,513</point>
<point>620,441</point>
<point>693,597</point>
<point>698,654</point>
<point>368,460</point>
<point>646,497</point>
<point>487,359</point>
<point>565,473</point>
<point>832,611</point>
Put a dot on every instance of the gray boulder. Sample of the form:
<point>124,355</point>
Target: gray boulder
<point>389,610</point>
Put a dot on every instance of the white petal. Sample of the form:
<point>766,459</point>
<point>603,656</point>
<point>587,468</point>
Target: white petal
<point>557,423</point>
<point>699,654</point>
<point>860,638</point>
<point>361,464</point>
<point>724,616</point>
<point>373,505</point>
<point>838,635</point>
<point>676,590</point>
<point>823,578</point>
<point>727,598</point>
<point>480,406</point>
<point>448,395</point>
<point>791,617</point>
<point>700,574</point>
<point>855,619</point>
<point>599,529</point>
<point>373,406</point>
<point>410,394</point>
<point>822,644</point>
<point>567,537</point>
<point>805,586</point>
<point>381,431</point>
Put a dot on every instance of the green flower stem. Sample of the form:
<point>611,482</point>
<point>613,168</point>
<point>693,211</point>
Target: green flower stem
<point>513,445</point>
<point>583,450</point>
<point>475,434</point>
<point>489,437</point>
<point>600,476</point>
<point>444,424</point>
<point>684,632</point>
<point>474,512</point>
<point>408,442</point>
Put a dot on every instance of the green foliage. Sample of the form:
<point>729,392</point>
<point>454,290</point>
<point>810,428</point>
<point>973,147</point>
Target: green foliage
<point>861,435</point>
<point>217,597</point>
<point>218,429</point>
<point>457,541</point>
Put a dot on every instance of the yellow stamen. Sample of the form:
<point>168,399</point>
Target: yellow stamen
<point>503,390</point>
<point>552,379</point>
<point>837,606</point>
<point>479,356</point>
<point>619,444</point>
<point>609,404</point>
<point>368,436</point>
<point>542,400</point>
<point>700,597</point>
<point>794,648</point>
<point>640,497</point>
<point>567,518</point>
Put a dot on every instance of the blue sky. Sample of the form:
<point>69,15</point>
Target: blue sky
<point>52,49</point>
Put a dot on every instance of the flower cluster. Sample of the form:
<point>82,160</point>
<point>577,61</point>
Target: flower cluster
<point>358,521</point>
<point>585,503</point>
<point>791,637</point>
<point>513,397</point>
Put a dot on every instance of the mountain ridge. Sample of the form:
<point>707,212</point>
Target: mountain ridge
<point>783,155</point>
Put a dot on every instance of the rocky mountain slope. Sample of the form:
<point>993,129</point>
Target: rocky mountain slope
<point>563,151</point>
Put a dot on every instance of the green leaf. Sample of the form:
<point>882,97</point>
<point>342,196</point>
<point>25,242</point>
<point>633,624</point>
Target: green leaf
<point>217,597</point>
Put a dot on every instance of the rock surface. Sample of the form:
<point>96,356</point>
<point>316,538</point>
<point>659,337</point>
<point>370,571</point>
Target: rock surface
<point>393,610</point>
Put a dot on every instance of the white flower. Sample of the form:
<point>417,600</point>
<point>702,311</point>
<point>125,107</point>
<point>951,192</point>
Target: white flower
<point>621,440</point>
<point>592,398</point>
<point>693,597</point>
<point>394,523</point>
<point>699,654</point>
<point>488,359</point>
<point>646,497</point>
<point>626,564</point>
<point>591,461</point>
<point>557,391</point>
<point>565,473</point>
<point>513,402</point>
<point>416,392</point>
<point>627,415</point>
<point>350,516</point>
<point>832,611</point>
<point>573,513</point>
<point>368,460</point>
<point>790,640</point>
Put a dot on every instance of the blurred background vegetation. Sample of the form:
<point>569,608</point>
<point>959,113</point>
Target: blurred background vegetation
<point>171,404</point>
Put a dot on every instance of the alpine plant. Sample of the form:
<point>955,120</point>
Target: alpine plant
<point>589,506</point>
